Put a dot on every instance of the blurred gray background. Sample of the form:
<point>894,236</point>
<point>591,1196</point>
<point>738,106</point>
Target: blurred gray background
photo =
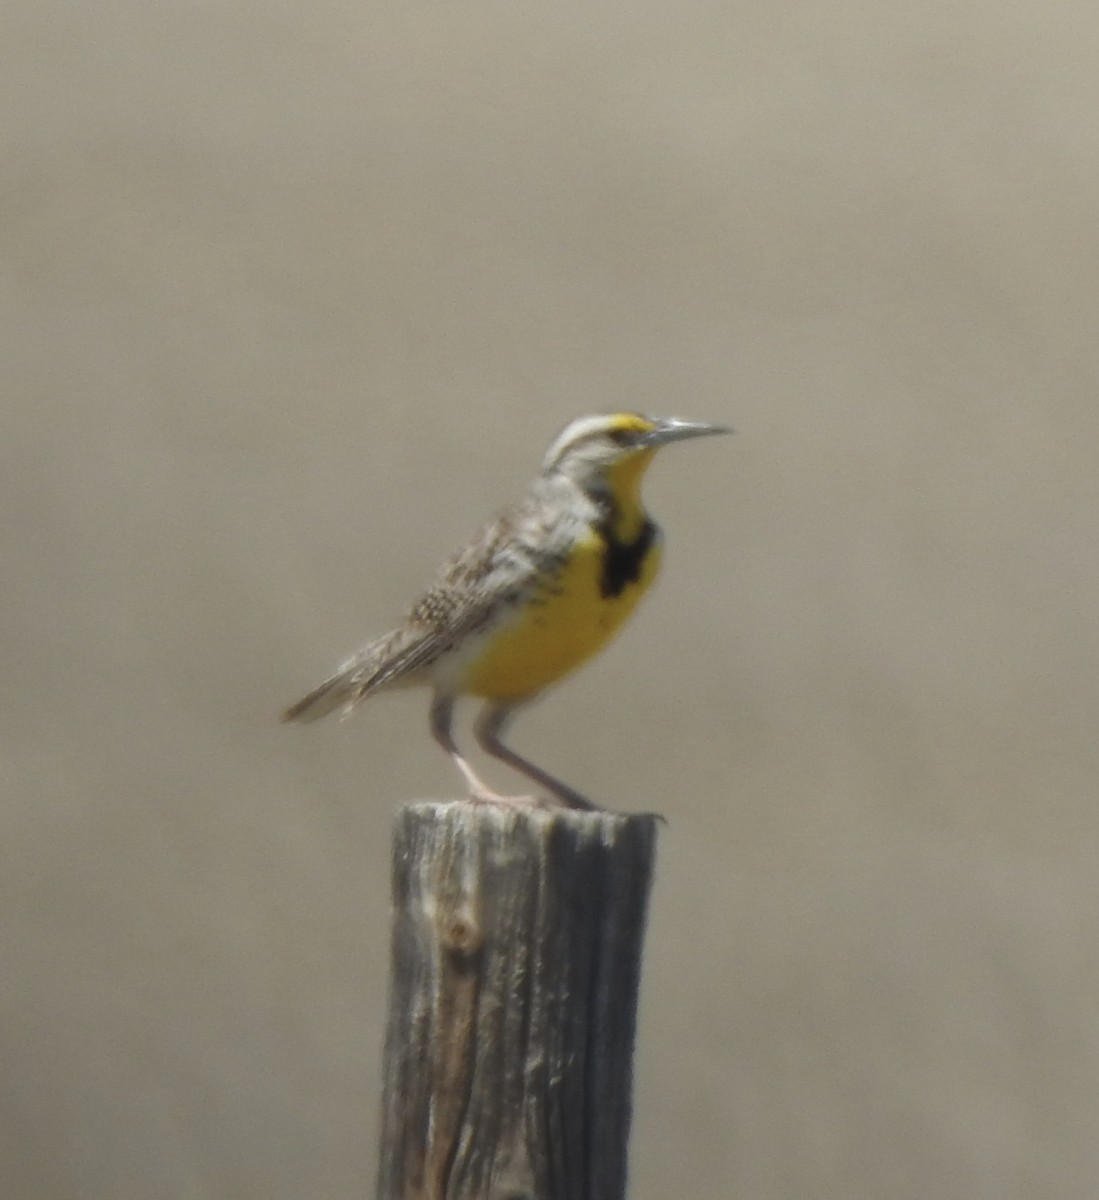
<point>293,297</point>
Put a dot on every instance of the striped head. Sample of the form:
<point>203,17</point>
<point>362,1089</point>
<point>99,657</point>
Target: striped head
<point>609,452</point>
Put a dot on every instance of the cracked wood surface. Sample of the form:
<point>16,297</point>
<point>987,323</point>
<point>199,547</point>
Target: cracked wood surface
<point>516,957</point>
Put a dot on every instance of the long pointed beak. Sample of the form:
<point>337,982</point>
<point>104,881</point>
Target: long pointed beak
<point>671,430</point>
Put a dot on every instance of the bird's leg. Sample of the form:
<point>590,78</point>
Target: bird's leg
<point>442,709</point>
<point>487,730</point>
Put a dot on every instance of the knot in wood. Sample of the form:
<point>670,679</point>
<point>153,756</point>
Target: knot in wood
<point>460,934</point>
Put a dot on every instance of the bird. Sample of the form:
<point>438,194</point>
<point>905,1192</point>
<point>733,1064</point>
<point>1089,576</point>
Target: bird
<point>534,594</point>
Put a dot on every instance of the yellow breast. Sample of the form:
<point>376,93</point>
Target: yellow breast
<point>559,626</point>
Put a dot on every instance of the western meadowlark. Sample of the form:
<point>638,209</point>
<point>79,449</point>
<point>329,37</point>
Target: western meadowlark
<point>537,592</point>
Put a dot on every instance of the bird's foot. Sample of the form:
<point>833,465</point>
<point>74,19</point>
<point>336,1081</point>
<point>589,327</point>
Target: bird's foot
<point>484,795</point>
<point>660,818</point>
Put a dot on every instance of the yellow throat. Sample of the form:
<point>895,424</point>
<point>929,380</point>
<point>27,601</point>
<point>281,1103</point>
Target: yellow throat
<point>580,608</point>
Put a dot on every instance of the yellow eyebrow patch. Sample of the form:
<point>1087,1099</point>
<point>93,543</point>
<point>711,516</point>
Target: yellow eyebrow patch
<point>629,422</point>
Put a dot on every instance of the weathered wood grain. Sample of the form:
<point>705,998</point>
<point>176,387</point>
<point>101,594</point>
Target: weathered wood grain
<point>515,966</point>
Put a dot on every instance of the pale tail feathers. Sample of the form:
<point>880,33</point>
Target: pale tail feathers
<point>375,665</point>
<point>336,692</point>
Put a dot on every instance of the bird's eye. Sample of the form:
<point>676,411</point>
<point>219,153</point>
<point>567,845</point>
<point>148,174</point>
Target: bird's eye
<point>622,437</point>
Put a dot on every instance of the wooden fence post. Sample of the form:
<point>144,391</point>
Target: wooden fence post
<point>516,958</point>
